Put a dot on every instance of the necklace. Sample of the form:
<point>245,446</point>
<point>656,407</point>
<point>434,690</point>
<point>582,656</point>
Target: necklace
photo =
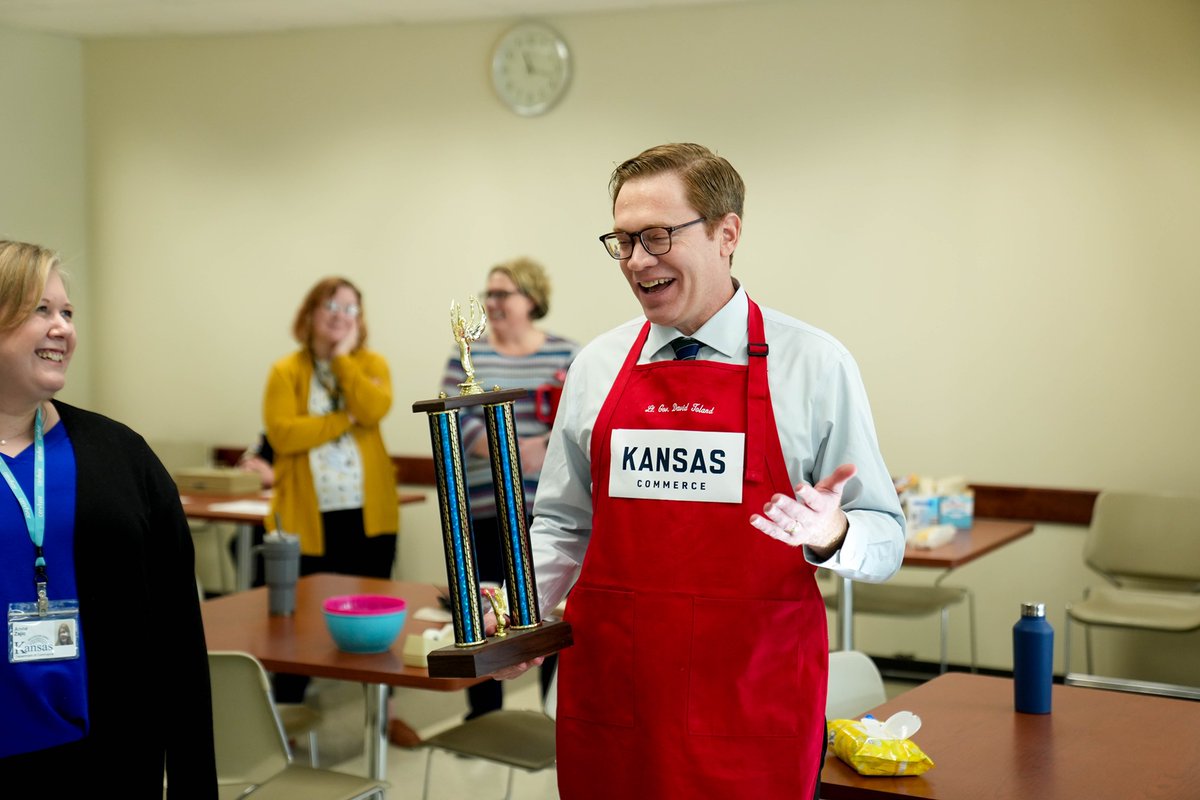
<point>4,442</point>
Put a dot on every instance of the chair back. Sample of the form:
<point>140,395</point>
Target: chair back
<point>250,743</point>
<point>1147,537</point>
<point>855,685</point>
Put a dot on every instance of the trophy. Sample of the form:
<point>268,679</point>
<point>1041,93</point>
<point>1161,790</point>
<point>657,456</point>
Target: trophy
<point>526,635</point>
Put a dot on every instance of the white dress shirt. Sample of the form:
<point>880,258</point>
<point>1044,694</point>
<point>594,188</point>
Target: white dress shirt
<point>820,408</point>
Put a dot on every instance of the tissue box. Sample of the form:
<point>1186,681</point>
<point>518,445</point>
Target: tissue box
<point>417,647</point>
<point>957,510</point>
<point>217,480</point>
<point>921,511</point>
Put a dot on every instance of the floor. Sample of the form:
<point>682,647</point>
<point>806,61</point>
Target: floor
<point>340,742</point>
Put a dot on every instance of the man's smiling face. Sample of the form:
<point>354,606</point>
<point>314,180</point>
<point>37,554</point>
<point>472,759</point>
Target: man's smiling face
<point>684,287</point>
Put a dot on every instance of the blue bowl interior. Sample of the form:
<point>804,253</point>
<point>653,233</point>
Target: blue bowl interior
<point>365,633</point>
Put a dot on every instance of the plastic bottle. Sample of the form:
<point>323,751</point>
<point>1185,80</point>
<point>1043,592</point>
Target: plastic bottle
<point>1033,660</point>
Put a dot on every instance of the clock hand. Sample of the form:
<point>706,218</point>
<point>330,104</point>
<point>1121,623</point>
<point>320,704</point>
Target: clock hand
<point>528,64</point>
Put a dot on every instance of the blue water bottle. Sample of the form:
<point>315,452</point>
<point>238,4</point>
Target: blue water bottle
<point>1033,660</point>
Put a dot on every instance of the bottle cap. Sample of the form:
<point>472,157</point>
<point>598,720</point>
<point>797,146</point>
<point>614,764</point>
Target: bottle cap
<point>1033,609</point>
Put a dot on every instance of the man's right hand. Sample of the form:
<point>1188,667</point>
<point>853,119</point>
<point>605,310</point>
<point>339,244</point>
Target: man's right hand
<point>517,670</point>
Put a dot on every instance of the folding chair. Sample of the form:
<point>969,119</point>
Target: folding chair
<point>253,757</point>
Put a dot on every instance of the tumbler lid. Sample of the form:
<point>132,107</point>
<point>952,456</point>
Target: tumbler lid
<point>1033,609</point>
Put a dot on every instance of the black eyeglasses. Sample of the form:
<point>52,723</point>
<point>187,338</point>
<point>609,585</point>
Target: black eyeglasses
<point>655,241</point>
<point>499,295</point>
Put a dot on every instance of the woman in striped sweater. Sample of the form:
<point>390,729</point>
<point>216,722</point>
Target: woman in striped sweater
<point>516,354</point>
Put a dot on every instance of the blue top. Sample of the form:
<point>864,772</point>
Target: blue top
<point>44,702</point>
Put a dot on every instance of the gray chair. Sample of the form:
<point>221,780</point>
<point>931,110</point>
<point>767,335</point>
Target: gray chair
<point>906,600</point>
<point>515,738</point>
<point>253,757</point>
<point>1147,548</point>
<point>297,719</point>
<point>300,720</point>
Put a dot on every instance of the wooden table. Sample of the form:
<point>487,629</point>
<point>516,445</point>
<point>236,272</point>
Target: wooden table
<point>245,511</point>
<point>1094,744</point>
<point>300,644</point>
<point>984,536</point>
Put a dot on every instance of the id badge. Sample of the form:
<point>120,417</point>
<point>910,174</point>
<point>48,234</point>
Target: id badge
<point>50,637</point>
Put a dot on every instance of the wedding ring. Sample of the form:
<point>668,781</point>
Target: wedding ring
<point>790,529</point>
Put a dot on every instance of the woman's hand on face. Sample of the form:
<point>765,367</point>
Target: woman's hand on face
<point>347,343</point>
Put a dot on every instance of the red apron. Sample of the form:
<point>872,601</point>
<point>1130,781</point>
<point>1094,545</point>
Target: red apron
<point>700,656</point>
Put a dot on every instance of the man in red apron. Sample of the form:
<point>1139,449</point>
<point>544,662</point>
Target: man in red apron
<point>680,471</point>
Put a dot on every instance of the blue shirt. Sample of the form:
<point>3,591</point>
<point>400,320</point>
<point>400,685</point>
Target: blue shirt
<point>44,702</point>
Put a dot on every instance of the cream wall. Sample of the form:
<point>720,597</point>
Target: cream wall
<point>41,161</point>
<point>992,205</point>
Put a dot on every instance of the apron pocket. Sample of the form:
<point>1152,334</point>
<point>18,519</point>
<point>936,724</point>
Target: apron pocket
<point>745,674</point>
<point>598,667</point>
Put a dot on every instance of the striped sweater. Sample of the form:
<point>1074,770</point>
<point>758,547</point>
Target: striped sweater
<point>547,366</point>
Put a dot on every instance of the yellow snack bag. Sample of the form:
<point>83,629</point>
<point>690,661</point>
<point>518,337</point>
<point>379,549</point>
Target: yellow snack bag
<point>872,747</point>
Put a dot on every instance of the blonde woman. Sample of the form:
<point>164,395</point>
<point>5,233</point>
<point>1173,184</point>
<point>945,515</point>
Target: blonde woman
<point>95,560</point>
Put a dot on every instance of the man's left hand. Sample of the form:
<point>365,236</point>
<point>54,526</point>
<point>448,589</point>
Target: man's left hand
<point>814,517</point>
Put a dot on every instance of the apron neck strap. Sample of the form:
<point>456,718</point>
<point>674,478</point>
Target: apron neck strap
<point>756,396</point>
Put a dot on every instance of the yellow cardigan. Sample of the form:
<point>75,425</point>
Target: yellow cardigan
<point>366,386</point>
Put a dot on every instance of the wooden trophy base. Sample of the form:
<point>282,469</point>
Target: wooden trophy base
<point>498,652</point>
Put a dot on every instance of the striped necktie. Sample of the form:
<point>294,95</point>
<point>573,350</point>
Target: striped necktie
<point>685,348</point>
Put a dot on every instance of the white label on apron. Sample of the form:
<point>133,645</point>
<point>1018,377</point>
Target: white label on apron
<point>677,465</point>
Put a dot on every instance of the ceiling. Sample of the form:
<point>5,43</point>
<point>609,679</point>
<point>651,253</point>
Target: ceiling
<point>102,18</point>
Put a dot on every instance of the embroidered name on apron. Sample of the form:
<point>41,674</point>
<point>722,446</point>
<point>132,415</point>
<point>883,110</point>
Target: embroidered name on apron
<point>655,464</point>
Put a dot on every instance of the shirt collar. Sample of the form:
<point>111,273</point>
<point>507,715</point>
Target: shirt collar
<point>724,332</point>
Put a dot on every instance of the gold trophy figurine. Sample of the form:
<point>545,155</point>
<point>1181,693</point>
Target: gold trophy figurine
<point>466,331</point>
<point>501,610</point>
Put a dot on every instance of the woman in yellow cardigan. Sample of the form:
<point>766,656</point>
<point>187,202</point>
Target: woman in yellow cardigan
<point>335,485</point>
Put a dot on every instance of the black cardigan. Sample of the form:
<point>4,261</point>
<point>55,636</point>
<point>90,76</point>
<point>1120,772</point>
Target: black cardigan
<point>149,699</point>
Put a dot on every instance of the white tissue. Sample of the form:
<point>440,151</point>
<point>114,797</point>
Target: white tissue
<point>439,633</point>
<point>901,725</point>
<point>930,536</point>
<point>431,614</point>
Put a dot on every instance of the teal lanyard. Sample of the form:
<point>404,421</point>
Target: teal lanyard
<point>35,517</point>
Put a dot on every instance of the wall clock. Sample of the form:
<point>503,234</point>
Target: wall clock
<point>531,68</point>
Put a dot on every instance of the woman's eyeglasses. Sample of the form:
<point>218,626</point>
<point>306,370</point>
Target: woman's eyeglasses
<point>499,295</point>
<point>334,307</point>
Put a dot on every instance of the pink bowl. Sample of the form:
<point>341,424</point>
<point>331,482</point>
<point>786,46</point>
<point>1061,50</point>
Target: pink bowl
<point>364,623</point>
<point>364,604</point>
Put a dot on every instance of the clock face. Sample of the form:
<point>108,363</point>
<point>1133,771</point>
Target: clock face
<point>531,68</point>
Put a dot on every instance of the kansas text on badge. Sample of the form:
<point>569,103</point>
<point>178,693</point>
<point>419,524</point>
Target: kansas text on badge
<point>702,466</point>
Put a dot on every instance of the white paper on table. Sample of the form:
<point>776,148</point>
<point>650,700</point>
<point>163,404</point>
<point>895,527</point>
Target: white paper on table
<point>257,507</point>
<point>429,614</point>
